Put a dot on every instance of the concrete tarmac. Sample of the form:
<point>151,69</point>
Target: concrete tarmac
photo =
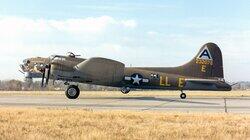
<point>139,103</point>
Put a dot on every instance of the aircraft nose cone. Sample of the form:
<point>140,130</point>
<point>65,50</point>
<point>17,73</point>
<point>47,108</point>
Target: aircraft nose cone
<point>26,61</point>
<point>22,67</point>
<point>229,88</point>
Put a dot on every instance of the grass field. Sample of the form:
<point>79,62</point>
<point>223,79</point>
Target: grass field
<point>42,123</point>
<point>53,123</point>
<point>137,93</point>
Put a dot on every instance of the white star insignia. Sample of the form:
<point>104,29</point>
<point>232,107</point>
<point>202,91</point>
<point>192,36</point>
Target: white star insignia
<point>136,79</point>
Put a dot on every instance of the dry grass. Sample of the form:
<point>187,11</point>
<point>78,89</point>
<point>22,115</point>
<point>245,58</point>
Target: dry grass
<point>42,123</point>
<point>136,93</point>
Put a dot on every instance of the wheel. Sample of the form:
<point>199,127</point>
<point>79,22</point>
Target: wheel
<point>183,96</point>
<point>72,92</point>
<point>125,90</point>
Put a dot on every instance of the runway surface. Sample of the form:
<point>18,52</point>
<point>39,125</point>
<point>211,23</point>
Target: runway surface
<point>124,102</point>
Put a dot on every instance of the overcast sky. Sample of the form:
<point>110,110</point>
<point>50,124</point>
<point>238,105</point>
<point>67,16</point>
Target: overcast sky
<point>138,33</point>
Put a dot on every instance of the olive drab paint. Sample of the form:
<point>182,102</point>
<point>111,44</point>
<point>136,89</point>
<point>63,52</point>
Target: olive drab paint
<point>164,81</point>
<point>203,72</point>
<point>181,82</point>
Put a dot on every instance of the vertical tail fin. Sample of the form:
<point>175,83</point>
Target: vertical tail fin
<point>206,64</point>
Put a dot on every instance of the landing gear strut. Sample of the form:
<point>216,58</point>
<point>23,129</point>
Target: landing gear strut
<point>183,95</point>
<point>72,92</point>
<point>125,90</point>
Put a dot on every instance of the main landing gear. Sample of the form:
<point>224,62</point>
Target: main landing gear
<point>125,90</point>
<point>183,95</point>
<point>72,92</point>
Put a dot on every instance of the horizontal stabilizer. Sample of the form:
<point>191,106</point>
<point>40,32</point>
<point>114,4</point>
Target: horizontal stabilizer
<point>203,81</point>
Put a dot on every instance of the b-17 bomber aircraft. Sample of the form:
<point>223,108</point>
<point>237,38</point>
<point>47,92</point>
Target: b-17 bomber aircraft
<point>203,72</point>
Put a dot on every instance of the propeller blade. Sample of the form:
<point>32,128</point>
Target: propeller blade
<point>21,71</point>
<point>47,74</point>
<point>234,84</point>
<point>42,83</point>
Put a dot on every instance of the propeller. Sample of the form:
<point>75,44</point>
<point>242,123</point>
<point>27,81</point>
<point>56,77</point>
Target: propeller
<point>28,82</point>
<point>42,83</point>
<point>46,75</point>
<point>234,84</point>
<point>21,71</point>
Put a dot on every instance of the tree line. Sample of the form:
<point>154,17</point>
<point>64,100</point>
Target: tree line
<point>30,85</point>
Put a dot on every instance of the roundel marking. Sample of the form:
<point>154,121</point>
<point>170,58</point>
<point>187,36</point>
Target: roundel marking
<point>136,79</point>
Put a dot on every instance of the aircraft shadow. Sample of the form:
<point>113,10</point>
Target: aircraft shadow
<point>168,100</point>
<point>156,99</point>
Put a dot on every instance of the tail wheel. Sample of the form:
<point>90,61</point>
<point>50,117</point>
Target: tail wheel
<point>72,92</point>
<point>183,96</point>
<point>125,90</point>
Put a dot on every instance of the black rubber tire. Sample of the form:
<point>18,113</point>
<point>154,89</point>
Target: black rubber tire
<point>183,96</point>
<point>125,90</point>
<point>72,88</point>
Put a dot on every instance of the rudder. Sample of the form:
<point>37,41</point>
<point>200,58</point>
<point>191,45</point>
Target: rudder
<point>206,64</point>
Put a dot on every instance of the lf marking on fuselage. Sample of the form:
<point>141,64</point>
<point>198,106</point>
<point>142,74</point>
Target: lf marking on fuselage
<point>164,81</point>
<point>181,82</point>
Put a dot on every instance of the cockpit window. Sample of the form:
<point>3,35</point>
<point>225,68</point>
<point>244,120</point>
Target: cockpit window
<point>52,57</point>
<point>58,58</point>
<point>70,54</point>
